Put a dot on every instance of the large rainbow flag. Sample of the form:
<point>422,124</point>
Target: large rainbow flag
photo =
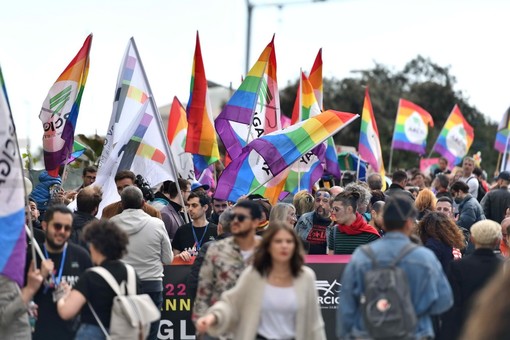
<point>176,134</point>
<point>369,143</point>
<point>12,197</point>
<point>455,138</point>
<point>254,109</point>
<point>268,156</point>
<point>201,139</point>
<point>59,111</point>
<point>411,127</point>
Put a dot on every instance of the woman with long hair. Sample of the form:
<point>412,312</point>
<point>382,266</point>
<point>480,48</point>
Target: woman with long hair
<point>425,202</point>
<point>273,299</point>
<point>440,234</point>
<point>284,212</point>
<point>304,202</point>
<point>107,245</point>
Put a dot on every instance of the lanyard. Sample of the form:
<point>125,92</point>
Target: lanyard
<point>199,243</point>
<point>56,281</point>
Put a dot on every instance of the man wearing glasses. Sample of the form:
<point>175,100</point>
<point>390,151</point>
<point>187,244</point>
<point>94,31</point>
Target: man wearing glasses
<point>226,259</point>
<point>88,177</point>
<point>313,228</point>
<point>70,261</point>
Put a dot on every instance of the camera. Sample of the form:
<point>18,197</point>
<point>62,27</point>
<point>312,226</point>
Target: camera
<point>145,187</point>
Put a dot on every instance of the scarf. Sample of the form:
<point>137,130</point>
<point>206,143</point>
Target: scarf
<point>357,227</point>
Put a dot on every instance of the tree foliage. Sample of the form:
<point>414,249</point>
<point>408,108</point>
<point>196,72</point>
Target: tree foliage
<point>421,81</point>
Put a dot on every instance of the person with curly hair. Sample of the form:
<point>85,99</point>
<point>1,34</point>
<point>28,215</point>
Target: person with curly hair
<point>363,191</point>
<point>440,234</point>
<point>107,244</point>
<point>425,202</point>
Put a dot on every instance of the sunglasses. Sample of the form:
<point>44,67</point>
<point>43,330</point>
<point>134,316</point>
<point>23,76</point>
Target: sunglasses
<point>59,226</point>
<point>239,217</point>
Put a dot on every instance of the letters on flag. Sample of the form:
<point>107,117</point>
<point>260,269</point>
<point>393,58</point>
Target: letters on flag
<point>411,127</point>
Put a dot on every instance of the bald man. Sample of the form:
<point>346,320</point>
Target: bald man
<point>335,190</point>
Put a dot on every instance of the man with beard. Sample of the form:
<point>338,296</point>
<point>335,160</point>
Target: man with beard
<point>218,207</point>
<point>226,259</point>
<point>70,261</point>
<point>312,227</point>
<point>190,237</point>
<point>377,216</point>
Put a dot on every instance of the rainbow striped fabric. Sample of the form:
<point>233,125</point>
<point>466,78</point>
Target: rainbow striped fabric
<point>306,104</point>
<point>268,156</point>
<point>176,134</point>
<point>411,127</point>
<point>12,197</point>
<point>369,144</point>
<point>315,78</point>
<point>201,139</point>
<point>455,138</point>
<point>502,135</point>
<point>59,111</point>
<point>254,109</point>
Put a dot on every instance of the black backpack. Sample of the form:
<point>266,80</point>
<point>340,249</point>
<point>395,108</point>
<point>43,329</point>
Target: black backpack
<point>388,311</point>
<point>481,190</point>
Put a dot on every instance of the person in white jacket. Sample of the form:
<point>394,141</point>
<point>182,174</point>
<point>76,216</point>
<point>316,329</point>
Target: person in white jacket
<point>149,247</point>
<point>275,298</point>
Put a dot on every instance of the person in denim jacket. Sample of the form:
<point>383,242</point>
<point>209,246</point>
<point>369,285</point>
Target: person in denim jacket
<point>431,293</point>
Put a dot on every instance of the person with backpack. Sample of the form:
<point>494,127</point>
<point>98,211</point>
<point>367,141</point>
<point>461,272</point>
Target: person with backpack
<point>95,294</point>
<point>392,295</point>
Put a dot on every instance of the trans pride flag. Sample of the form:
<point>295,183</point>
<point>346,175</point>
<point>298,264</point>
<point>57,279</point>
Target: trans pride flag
<point>59,111</point>
<point>201,138</point>
<point>176,134</point>
<point>455,138</point>
<point>502,136</point>
<point>254,109</point>
<point>369,144</point>
<point>265,158</point>
<point>411,127</point>
<point>12,193</point>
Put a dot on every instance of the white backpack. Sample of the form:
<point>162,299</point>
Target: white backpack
<point>131,314</point>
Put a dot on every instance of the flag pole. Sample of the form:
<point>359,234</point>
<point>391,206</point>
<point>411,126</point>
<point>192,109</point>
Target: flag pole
<point>162,131</point>
<point>300,117</point>
<point>358,167</point>
<point>393,137</point>
<point>498,163</point>
<point>503,163</point>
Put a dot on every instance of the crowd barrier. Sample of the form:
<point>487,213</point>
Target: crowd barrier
<point>177,305</point>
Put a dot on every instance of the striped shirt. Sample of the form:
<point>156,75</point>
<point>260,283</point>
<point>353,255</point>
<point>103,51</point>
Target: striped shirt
<point>344,244</point>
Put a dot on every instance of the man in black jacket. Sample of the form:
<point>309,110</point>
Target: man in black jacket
<point>87,206</point>
<point>495,202</point>
<point>470,274</point>
<point>398,183</point>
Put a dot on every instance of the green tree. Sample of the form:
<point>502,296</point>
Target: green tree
<point>420,81</point>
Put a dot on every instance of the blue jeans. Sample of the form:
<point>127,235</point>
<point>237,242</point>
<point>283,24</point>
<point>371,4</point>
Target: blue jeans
<point>89,332</point>
<point>157,298</point>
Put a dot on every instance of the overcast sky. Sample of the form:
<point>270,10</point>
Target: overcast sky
<point>39,39</point>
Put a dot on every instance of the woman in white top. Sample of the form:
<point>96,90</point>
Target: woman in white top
<point>273,299</point>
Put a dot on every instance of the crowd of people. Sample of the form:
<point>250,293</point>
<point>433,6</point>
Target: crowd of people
<point>447,232</point>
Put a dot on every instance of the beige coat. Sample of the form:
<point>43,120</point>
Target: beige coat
<point>239,309</point>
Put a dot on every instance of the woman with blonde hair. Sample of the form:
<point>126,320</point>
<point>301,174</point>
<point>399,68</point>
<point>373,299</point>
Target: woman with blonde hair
<point>303,202</point>
<point>275,298</point>
<point>283,212</point>
<point>425,202</point>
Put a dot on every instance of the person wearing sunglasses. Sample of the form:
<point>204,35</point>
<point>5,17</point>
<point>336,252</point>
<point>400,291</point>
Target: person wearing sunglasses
<point>70,261</point>
<point>226,259</point>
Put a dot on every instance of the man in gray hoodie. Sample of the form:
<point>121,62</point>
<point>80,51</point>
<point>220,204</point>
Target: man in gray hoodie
<point>149,247</point>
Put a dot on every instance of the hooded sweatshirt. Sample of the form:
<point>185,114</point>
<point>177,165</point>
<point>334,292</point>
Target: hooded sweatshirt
<point>149,246</point>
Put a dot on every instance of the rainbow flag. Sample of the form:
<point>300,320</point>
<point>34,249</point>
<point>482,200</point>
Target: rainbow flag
<point>304,173</point>
<point>254,109</point>
<point>59,111</point>
<point>268,156</point>
<point>12,197</point>
<point>502,135</point>
<point>455,138</point>
<point>315,78</point>
<point>369,144</point>
<point>176,134</point>
<point>306,104</point>
<point>78,150</point>
<point>201,137</point>
<point>411,127</point>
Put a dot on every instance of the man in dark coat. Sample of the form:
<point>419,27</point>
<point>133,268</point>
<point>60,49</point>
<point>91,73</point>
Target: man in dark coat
<point>470,274</point>
<point>495,202</point>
